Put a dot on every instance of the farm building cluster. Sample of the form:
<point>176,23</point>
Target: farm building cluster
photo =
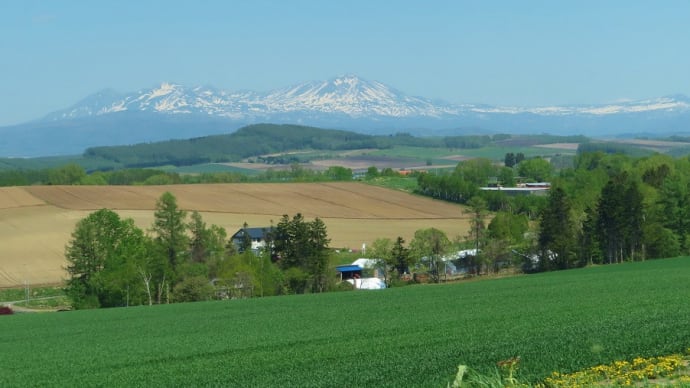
<point>363,273</point>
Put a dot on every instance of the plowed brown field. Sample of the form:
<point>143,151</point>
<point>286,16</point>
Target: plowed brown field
<point>36,221</point>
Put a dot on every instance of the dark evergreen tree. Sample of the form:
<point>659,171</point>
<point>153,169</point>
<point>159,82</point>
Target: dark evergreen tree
<point>301,250</point>
<point>400,256</point>
<point>519,157</point>
<point>509,159</point>
<point>634,219</point>
<point>610,220</point>
<point>589,252</point>
<point>318,255</point>
<point>197,243</point>
<point>556,238</point>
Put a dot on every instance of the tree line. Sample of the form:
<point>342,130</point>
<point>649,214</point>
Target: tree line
<point>72,174</point>
<point>111,262</point>
<point>606,208</point>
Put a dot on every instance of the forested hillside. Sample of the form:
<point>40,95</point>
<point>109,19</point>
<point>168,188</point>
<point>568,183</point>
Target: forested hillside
<point>262,139</point>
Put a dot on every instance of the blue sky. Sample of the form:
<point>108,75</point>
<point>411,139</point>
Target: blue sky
<point>524,53</point>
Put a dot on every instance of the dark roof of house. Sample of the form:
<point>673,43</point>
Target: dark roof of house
<point>254,233</point>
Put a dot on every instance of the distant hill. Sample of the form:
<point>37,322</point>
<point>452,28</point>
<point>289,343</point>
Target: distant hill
<point>172,111</point>
<point>73,136</point>
<point>263,139</point>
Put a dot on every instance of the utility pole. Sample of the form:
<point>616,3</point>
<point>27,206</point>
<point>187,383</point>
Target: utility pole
<point>27,291</point>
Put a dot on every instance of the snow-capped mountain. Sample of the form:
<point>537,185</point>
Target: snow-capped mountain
<point>347,102</point>
<point>346,95</point>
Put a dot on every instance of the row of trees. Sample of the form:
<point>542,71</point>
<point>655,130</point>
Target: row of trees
<point>613,208</point>
<point>605,208</point>
<point>72,174</point>
<point>112,262</point>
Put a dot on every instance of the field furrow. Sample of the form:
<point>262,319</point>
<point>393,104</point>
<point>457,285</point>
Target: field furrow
<point>12,197</point>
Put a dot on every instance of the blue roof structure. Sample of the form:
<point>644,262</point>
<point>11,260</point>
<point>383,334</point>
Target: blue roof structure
<point>348,268</point>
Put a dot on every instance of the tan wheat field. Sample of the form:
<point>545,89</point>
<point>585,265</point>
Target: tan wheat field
<point>36,221</point>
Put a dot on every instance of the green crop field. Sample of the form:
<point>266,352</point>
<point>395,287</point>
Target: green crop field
<point>409,336</point>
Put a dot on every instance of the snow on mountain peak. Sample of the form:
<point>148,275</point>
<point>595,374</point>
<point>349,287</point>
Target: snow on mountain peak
<point>165,89</point>
<point>345,95</point>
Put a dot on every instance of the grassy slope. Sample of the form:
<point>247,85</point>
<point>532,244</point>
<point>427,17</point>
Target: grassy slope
<point>411,336</point>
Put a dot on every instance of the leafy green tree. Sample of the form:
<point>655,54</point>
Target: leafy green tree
<point>95,179</point>
<point>507,226</point>
<point>93,242</point>
<point>506,177</point>
<point>192,289</point>
<point>120,280</point>
<point>536,169</point>
<point>101,257</point>
<point>505,231</point>
<point>660,241</point>
<point>431,244</point>
<point>476,171</point>
<point>447,187</point>
<point>476,208</point>
<point>296,280</point>
<point>160,180</point>
<point>382,251</point>
<point>496,254</point>
<point>672,209</point>
<point>69,174</point>
<point>338,173</point>
<point>654,169</point>
<point>372,172</point>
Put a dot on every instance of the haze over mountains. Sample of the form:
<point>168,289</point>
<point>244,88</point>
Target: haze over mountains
<point>347,102</point>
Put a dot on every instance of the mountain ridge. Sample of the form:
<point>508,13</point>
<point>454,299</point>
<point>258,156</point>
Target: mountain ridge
<point>171,110</point>
<point>347,94</point>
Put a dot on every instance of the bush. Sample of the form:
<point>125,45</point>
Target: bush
<point>6,310</point>
<point>193,289</point>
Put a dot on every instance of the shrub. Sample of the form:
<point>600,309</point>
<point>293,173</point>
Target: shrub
<point>192,289</point>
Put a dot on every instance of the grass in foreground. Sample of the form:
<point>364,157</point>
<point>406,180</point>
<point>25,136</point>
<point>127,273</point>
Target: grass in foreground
<point>411,336</point>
